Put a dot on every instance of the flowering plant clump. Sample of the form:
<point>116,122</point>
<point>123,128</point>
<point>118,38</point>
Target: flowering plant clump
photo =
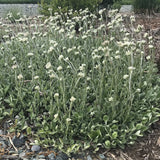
<point>79,88</point>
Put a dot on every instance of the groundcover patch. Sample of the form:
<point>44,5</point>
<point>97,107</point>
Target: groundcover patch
<point>78,82</point>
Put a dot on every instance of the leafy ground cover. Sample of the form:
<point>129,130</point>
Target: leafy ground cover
<point>75,84</point>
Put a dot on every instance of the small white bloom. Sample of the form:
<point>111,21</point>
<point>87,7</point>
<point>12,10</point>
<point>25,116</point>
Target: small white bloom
<point>50,49</point>
<point>52,75</point>
<point>37,88</point>
<point>128,53</point>
<point>138,90</point>
<point>56,115</point>
<point>48,65</point>
<point>56,95</point>
<point>117,57</point>
<point>81,74</point>
<point>36,77</point>
<point>72,99</point>
<point>148,57</point>
<point>20,76</point>
<point>150,46</point>
<point>59,68</point>
<point>14,66</point>
<point>13,58</point>
<point>145,83</point>
<point>68,119</point>
<point>131,68</point>
<point>125,76</point>
<point>60,57</point>
<point>30,66</point>
<point>110,99</point>
<point>30,54</point>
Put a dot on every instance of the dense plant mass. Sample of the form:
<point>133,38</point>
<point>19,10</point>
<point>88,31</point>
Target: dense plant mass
<point>79,82</point>
<point>146,5</point>
<point>18,1</point>
<point>51,6</point>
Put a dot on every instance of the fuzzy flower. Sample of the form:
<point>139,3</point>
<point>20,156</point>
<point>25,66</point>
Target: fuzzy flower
<point>37,88</point>
<point>56,95</point>
<point>14,66</point>
<point>60,57</point>
<point>48,65</point>
<point>125,76</point>
<point>30,54</point>
<point>72,99</point>
<point>50,49</point>
<point>59,68</point>
<point>20,76</point>
<point>56,116</point>
<point>131,68</point>
<point>36,77</point>
<point>68,119</point>
<point>148,57</point>
<point>110,99</point>
<point>81,74</point>
<point>150,46</point>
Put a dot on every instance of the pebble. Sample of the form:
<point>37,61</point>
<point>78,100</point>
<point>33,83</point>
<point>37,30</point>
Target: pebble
<point>41,157</point>
<point>35,148</point>
<point>89,157</point>
<point>1,132</point>
<point>51,156</point>
<point>22,154</point>
<point>101,156</point>
<point>3,144</point>
<point>18,142</point>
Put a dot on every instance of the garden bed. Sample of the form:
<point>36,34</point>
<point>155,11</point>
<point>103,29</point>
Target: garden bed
<point>32,79</point>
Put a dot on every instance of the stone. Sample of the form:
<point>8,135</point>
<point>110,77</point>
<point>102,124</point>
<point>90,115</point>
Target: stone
<point>51,156</point>
<point>35,148</point>
<point>1,132</point>
<point>22,154</point>
<point>89,157</point>
<point>126,9</point>
<point>18,142</point>
<point>101,156</point>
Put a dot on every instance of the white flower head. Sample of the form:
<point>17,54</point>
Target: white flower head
<point>48,65</point>
<point>60,57</point>
<point>56,95</point>
<point>81,74</point>
<point>52,75</point>
<point>138,90</point>
<point>59,68</point>
<point>110,99</point>
<point>131,68</point>
<point>150,46</point>
<point>125,76</point>
<point>20,76</point>
<point>36,77</point>
<point>37,88</point>
<point>50,49</point>
<point>56,116</point>
<point>30,54</point>
<point>148,57</point>
<point>68,119</point>
<point>14,66</point>
<point>72,99</point>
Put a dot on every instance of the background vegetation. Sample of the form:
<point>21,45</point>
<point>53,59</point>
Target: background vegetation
<point>18,1</point>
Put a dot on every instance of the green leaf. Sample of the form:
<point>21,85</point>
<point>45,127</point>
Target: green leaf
<point>108,144</point>
<point>28,130</point>
<point>105,118</point>
<point>114,135</point>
